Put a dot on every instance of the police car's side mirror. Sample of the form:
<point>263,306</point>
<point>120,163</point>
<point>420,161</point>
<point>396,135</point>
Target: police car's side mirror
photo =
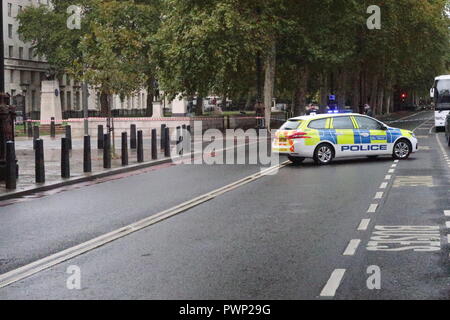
<point>383,127</point>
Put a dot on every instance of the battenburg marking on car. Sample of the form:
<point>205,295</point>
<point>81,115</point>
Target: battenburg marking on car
<point>329,136</point>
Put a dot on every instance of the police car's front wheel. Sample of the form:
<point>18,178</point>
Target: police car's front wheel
<point>323,154</point>
<point>402,150</point>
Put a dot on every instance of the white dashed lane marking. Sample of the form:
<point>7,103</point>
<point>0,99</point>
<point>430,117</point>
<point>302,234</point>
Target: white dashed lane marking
<point>379,195</point>
<point>391,171</point>
<point>373,208</point>
<point>447,224</point>
<point>352,246</point>
<point>333,283</point>
<point>364,225</point>
<point>388,177</point>
<point>384,185</point>
<point>447,213</point>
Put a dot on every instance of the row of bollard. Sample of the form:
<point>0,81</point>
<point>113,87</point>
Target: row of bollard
<point>104,142</point>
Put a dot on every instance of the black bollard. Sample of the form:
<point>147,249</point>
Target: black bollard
<point>87,161</point>
<point>187,140</point>
<point>69,136</point>
<point>154,146</point>
<point>167,142</point>
<point>65,158</point>
<point>100,137</point>
<point>35,136</point>
<point>140,146</point>
<point>11,166</point>
<point>39,161</point>
<point>133,136</point>
<point>106,152</point>
<point>124,149</point>
<point>52,128</point>
<point>30,129</point>
<point>163,140</point>
<point>179,141</point>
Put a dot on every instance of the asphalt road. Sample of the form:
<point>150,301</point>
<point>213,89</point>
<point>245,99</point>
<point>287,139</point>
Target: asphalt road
<point>306,232</point>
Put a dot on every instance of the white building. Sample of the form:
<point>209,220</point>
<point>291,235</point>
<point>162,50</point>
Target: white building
<point>24,71</point>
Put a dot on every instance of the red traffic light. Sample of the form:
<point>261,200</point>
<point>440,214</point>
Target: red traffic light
<point>403,95</point>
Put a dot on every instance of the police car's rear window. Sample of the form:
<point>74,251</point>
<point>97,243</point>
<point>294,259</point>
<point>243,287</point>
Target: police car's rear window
<point>291,125</point>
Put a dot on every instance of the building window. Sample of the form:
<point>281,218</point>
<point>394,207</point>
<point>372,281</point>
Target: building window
<point>69,100</point>
<point>10,31</point>
<point>9,9</point>
<point>63,101</point>
<point>77,100</point>
<point>30,53</point>
<point>11,51</point>
<point>33,100</point>
<point>13,93</point>
<point>11,76</point>
<point>20,53</point>
<point>19,10</point>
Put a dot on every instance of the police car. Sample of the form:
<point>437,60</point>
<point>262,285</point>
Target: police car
<point>324,137</point>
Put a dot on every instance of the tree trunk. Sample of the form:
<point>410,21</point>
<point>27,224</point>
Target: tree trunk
<point>150,95</point>
<point>373,93</point>
<point>300,92</point>
<point>380,99</point>
<point>248,101</point>
<point>269,84</point>
<point>104,105</point>
<point>341,89</point>
<point>356,91</point>
<point>199,106</point>
<point>324,90</point>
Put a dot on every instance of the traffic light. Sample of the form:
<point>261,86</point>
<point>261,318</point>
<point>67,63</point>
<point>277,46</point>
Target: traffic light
<point>404,95</point>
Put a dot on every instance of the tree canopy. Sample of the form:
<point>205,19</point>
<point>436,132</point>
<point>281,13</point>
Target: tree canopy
<point>301,50</point>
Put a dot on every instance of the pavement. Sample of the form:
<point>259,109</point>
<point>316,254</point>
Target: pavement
<point>355,229</point>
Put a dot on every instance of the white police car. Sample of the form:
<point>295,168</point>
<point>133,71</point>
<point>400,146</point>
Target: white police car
<point>324,137</point>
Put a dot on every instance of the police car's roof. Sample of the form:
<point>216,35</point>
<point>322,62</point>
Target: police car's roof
<point>445,77</point>
<point>324,115</point>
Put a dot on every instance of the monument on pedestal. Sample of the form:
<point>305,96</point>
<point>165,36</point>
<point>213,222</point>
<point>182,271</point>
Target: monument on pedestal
<point>50,101</point>
<point>179,107</point>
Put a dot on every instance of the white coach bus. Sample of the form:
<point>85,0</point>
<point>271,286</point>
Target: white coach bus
<point>441,96</point>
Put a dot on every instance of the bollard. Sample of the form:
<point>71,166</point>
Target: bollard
<point>35,136</point>
<point>167,142</point>
<point>133,136</point>
<point>39,161</point>
<point>187,140</point>
<point>100,137</point>
<point>140,147</point>
<point>65,158</point>
<point>106,152</point>
<point>30,129</point>
<point>124,149</point>
<point>52,128</point>
<point>11,166</point>
<point>154,146</point>
<point>69,136</point>
<point>179,141</point>
<point>163,140</point>
<point>87,161</point>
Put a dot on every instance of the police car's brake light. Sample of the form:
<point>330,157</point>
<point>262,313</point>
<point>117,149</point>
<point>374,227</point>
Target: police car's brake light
<point>298,135</point>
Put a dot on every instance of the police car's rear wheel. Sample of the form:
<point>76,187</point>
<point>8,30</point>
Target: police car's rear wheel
<point>296,160</point>
<point>323,154</point>
<point>402,149</point>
